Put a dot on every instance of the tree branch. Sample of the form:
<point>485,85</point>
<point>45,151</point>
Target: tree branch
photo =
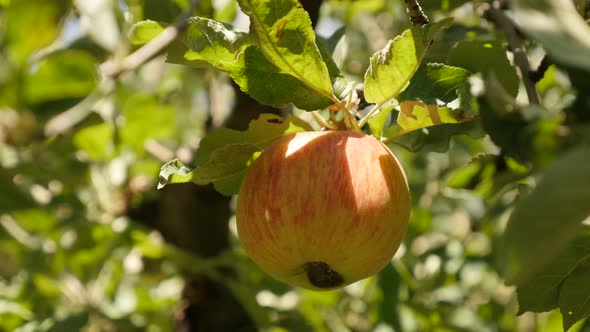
<point>114,68</point>
<point>416,14</point>
<point>539,73</point>
<point>495,14</point>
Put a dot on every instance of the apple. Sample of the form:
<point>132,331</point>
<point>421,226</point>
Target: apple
<point>321,210</point>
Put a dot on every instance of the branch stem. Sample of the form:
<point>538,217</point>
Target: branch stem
<point>495,14</point>
<point>114,68</point>
<point>321,121</point>
<point>416,14</point>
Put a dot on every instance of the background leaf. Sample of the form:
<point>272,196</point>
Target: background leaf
<point>557,25</point>
<point>138,127</point>
<point>485,57</point>
<point>557,202</point>
<point>436,81</point>
<point>62,75</point>
<point>95,141</point>
<point>516,130</point>
<point>22,23</point>
<point>435,139</point>
<point>574,295</point>
<point>88,243</point>
<point>544,291</point>
<point>144,31</point>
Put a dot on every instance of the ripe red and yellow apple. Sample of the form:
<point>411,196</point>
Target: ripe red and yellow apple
<point>321,210</point>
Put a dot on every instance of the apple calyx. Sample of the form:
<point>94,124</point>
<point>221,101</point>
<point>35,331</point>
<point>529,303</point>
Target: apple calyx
<point>321,275</point>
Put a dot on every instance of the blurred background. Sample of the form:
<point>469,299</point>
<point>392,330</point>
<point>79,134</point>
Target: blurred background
<point>87,243</point>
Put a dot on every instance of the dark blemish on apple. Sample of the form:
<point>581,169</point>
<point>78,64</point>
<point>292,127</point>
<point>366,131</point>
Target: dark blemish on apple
<point>321,275</point>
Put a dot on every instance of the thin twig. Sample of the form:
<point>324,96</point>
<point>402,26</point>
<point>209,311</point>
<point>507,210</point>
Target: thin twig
<point>114,68</point>
<point>538,74</point>
<point>496,15</point>
<point>69,118</point>
<point>370,114</point>
<point>322,122</point>
<point>416,14</point>
<point>349,119</point>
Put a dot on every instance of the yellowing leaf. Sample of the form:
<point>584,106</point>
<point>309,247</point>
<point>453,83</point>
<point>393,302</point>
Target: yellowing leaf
<point>415,114</point>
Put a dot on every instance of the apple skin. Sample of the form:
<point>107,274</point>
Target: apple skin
<point>321,210</point>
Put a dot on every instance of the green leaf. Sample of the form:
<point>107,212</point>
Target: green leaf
<point>436,138</point>
<point>269,85</point>
<point>434,82</point>
<point>31,25</point>
<point>467,102</point>
<point>377,122</point>
<point>547,220</point>
<point>35,220</point>
<point>225,169</point>
<point>487,174</point>
<point>429,31</point>
<point>95,141</point>
<point>142,32</point>
<point>145,118</point>
<point>224,155</point>
<point>392,67</point>
<point>68,74</point>
<point>163,11</point>
<point>544,290</point>
<point>207,42</point>
<point>518,131</point>
<point>282,29</point>
<point>486,57</point>
<point>11,196</point>
<point>227,13</point>
<point>557,25</point>
<point>389,282</point>
<point>441,5</point>
<point>75,322</point>
<point>415,115</point>
<point>564,34</point>
<point>261,133</point>
<point>574,298</point>
<point>213,43</point>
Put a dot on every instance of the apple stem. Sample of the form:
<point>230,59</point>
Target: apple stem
<point>349,120</point>
<point>322,122</point>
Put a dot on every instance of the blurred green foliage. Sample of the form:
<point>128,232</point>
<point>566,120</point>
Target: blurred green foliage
<point>80,154</point>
